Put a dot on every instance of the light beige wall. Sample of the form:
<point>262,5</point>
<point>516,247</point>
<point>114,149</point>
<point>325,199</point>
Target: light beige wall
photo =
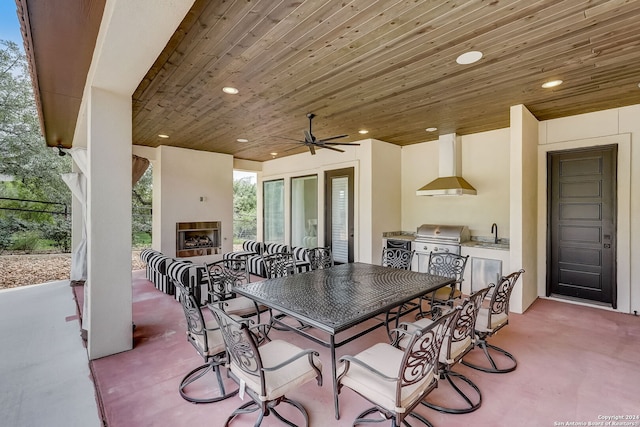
<point>522,206</point>
<point>180,178</point>
<point>386,198</point>
<point>485,164</point>
<point>615,126</point>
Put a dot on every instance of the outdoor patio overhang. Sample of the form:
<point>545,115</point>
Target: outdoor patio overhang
<point>59,40</point>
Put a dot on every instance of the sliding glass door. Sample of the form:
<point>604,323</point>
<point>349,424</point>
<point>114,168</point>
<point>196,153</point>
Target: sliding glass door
<point>304,211</point>
<point>273,211</point>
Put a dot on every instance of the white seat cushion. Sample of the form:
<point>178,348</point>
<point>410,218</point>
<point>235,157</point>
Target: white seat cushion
<point>386,359</point>
<point>497,321</point>
<point>214,341</point>
<point>240,305</point>
<point>279,382</point>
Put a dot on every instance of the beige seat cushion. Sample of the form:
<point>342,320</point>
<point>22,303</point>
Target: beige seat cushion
<point>214,340</point>
<point>497,320</point>
<point>279,382</point>
<point>386,359</point>
<point>241,306</point>
<point>442,294</point>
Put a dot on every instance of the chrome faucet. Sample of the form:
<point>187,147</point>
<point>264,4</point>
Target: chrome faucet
<point>494,229</point>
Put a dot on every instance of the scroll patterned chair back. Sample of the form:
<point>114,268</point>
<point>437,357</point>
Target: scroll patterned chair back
<point>320,258</point>
<point>397,258</point>
<point>222,276</point>
<point>396,380</point>
<point>206,338</point>
<point>448,265</point>
<point>459,340</point>
<point>490,320</point>
<point>279,264</point>
<point>269,371</point>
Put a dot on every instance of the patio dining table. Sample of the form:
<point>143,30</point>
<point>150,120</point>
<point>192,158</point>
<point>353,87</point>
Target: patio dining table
<point>339,298</point>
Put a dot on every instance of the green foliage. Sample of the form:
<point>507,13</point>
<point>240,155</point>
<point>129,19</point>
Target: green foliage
<point>141,201</point>
<point>26,241</point>
<point>245,204</point>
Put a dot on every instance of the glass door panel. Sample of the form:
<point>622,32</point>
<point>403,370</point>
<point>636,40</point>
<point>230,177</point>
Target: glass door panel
<point>304,211</point>
<point>273,211</point>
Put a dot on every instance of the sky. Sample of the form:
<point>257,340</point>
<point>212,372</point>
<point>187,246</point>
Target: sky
<point>9,27</point>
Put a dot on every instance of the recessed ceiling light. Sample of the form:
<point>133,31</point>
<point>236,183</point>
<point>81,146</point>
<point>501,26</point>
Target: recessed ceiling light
<point>552,83</point>
<point>242,140</point>
<point>431,129</point>
<point>162,135</point>
<point>230,90</point>
<point>469,57</point>
<point>363,131</point>
<point>274,154</point>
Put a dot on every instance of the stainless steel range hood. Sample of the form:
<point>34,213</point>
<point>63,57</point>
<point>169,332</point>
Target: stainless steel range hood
<point>449,181</point>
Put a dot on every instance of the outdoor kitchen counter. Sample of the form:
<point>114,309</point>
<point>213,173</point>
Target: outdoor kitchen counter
<point>502,245</point>
<point>399,235</point>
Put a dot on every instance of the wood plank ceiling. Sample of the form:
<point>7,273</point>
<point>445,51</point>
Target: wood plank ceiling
<point>385,66</point>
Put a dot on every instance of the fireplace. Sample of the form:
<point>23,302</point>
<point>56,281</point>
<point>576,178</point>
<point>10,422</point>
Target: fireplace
<point>198,238</point>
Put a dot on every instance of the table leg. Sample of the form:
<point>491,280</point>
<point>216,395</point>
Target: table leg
<point>334,376</point>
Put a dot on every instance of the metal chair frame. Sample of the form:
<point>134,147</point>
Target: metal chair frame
<point>397,258</point>
<point>242,345</point>
<point>419,361</point>
<point>450,265</point>
<point>499,304</point>
<point>320,258</point>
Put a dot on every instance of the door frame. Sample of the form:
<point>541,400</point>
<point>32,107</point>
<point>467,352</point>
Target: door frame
<point>328,174</point>
<point>623,219</point>
<point>613,148</point>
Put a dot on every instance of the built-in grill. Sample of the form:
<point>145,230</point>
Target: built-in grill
<point>440,238</point>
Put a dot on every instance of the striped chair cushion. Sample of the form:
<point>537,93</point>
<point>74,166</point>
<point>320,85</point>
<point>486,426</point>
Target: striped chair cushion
<point>303,263</point>
<point>159,276</point>
<point>272,248</point>
<point>252,246</point>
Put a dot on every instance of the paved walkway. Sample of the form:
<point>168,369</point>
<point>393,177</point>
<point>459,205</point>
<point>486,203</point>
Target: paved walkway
<point>44,368</point>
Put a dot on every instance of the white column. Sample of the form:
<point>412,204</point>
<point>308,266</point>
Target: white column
<point>109,295</point>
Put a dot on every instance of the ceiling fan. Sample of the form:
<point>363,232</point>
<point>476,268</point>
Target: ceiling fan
<point>312,142</point>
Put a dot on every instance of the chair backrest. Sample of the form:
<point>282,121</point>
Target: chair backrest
<point>500,298</point>
<point>461,336</point>
<point>279,264</point>
<point>196,333</point>
<point>252,246</point>
<point>397,258</point>
<point>223,275</point>
<point>447,264</point>
<point>320,258</point>
<point>241,345</point>
<point>421,356</point>
<point>272,248</point>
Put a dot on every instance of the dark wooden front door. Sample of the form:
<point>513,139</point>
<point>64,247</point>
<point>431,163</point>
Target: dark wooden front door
<point>339,226</point>
<point>582,233</point>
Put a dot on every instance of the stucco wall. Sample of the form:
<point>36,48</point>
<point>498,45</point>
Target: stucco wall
<point>181,178</point>
<point>485,164</point>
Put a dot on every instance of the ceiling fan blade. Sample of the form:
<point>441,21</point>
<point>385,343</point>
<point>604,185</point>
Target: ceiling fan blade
<point>340,143</point>
<point>309,137</point>
<point>332,138</point>
<point>292,148</point>
<point>332,148</point>
<point>312,149</point>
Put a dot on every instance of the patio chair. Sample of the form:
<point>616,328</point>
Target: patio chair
<point>396,380</point>
<point>489,321</point>
<point>206,338</point>
<point>459,340</point>
<point>279,264</point>
<point>320,258</point>
<point>450,265</point>
<point>397,258</point>
<point>222,276</point>
<point>268,372</point>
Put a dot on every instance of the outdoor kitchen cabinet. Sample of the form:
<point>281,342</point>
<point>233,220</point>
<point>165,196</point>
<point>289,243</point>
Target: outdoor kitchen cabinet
<point>485,265</point>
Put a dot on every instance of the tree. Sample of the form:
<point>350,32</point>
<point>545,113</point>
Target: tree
<point>30,170</point>
<point>244,209</point>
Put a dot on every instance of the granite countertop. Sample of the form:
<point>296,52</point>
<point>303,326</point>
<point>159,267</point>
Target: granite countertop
<point>475,242</point>
<point>487,243</point>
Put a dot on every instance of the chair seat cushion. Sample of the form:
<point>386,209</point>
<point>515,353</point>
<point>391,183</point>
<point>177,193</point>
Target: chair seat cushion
<point>240,306</point>
<point>280,381</point>
<point>386,359</point>
<point>443,294</point>
<point>497,321</point>
<point>215,343</point>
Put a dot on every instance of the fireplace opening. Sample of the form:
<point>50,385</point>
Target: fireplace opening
<point>198,238</point>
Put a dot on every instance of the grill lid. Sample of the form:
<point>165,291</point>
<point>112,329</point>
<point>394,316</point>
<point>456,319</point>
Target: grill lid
<point>442,233</point>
